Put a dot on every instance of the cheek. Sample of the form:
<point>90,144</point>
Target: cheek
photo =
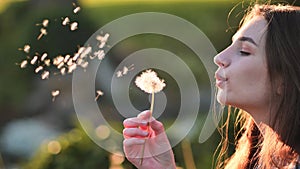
<point>248,85</point>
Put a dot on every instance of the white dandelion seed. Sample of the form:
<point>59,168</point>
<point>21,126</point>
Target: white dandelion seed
<point>65,21</point>
<point>47,62</point>
<point>63,71</point>
<point>74,26</point>
<point>45,22</point>
<point>79,61</point>
<point>84,65</point>
<point>57,60</point>
<point>60,65</point>
<point>99,93</point>
<point>43,57</point>
<point>45,75</point>
<point>119,73</point>
<point>70,62</point>
<point>76,10</point>
<point>26,48</point>
<point>24,63</point>
<point>38,69</point>
<point>54,94</point>
<point>72,68</point>
<point>43,32</point>
<point>86,52</point>
<point>34,59</point>
<point>67,57</point>
<point>99,54</point>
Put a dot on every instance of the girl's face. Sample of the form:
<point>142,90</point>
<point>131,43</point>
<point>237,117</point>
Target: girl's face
<point>242,76</point>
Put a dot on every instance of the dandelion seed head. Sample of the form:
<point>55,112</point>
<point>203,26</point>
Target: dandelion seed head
<point>45,22</point>
<point>149,82</point>
<point>24,63</point>
<point>74,26</point>
<point>38,69</point>
<point>45,75</point>
<point>34,59</point>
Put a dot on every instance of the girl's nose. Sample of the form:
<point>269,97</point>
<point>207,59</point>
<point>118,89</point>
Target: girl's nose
<point>221,60</point>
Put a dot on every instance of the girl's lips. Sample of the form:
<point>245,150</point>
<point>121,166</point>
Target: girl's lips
<point>220,80</point>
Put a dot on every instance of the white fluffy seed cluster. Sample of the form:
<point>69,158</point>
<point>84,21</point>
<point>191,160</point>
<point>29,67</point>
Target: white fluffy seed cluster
<point>149,82</point>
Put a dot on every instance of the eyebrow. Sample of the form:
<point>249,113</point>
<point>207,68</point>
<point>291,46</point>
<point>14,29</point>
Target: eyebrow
<point>248,39</point>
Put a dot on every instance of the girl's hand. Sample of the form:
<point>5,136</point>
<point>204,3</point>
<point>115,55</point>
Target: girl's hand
<point>158,153</point>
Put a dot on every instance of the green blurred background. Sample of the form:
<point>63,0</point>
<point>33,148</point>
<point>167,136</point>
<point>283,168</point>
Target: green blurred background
<point>37,133</point>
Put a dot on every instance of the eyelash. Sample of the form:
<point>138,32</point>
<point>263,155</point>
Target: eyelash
<point>243,53</point>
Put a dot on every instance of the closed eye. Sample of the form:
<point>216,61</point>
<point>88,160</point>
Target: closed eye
<point>243,53</point>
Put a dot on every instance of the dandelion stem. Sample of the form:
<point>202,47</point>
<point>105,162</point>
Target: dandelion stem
<point>148,127</point>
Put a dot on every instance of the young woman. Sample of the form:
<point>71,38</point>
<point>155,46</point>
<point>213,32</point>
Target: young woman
<point>259,73</point>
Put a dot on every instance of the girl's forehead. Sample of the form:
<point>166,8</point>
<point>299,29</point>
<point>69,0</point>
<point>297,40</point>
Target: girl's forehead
<point>255,29</point>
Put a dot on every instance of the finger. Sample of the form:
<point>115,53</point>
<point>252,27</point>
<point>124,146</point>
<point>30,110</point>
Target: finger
<point>156,126</point>
<point>134,122</point>
<point>145,115</point>
<point>134,132</point>
<point>127,143</point>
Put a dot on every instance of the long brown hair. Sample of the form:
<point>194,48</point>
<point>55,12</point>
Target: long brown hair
<point>275,144</point>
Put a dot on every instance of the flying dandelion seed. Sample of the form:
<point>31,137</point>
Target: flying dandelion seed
<point>76,10</point>
<point>57,60</point>
<point>34,59</point>
<point>60,65</point>
<point>70,62</point>
<point>45,75</point>
<point>86,52</point>
<point>74,26</point>
<point>65,21</point>
<point>125,70</point>
<point>99,54</point>
<point>102,40</point>
<point>54,94</point>
<point>38,69</point>
<point>99,93</point>
<point>23,63</point>
<point>43,32</point>
<point>84,65</point>
<point>119,73</point>
<point>72,68</point>
<point>67,57</point>
<point>43,57</point>
<point>45,22</point>
<point>47,62</point>
<point>26,48</point>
